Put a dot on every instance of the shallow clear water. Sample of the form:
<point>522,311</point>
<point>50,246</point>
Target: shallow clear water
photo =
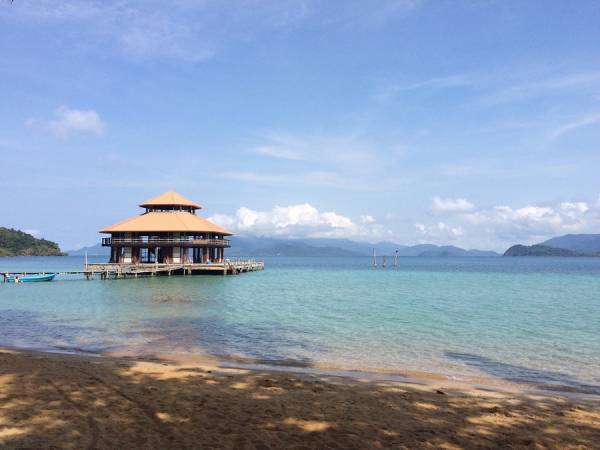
<point>534,320</point>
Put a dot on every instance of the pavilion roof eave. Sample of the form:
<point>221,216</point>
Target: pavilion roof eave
<point>157,222</point>
<point>224,233</point>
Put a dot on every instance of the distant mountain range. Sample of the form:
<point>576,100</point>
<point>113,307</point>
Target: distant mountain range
<point>568,245</point>
<point>92,250</point>
<point>318,247</point>
<point>581,243</point>
<point>18,243</point>
<point>264,246</point>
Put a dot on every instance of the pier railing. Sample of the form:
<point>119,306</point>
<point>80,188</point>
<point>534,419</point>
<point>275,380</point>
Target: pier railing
<point>120,270</point>
<point>150,241</point>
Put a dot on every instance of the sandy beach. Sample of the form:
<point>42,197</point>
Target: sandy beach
<point>65,401</point>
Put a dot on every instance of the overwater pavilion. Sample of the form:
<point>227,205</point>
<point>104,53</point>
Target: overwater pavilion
<point>168,237</point>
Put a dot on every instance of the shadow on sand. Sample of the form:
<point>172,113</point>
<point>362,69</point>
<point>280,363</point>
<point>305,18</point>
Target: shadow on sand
<point>536,378</point>
<point>62,401</point>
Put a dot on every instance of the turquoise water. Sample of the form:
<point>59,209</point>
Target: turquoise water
<point>532,320</point>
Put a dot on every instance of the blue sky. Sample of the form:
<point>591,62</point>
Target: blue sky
<point>473,123</point>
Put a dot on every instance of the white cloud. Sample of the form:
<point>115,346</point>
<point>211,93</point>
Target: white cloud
<point>497,87</point>
<point>72,121</point>
<point>348,160</point>
<point>502,226</point>
<point>277,152</point>
<point>43,10</point>
<point>585,121</point>
<point>534,220</point>
<point>436,83</point>
<point>521,91</point>
<point>289,220</point>
<point>192,30</point>
<point>301,220</point>
<point>491,228</point>
<point>376,12</point>
<point>140,29</point>
<point>506,169</point>
<point>533,223</point>
<point>573,210</point>
<point>314,178</point>
<point>439,232</point>
<point>346,151</point>
<point>450,205</point>
<point>388,92</point>
<point>343,181</point>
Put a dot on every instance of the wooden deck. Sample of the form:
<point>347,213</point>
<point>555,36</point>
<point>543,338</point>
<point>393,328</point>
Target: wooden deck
<point>229,267</point>
<point>108,270</point>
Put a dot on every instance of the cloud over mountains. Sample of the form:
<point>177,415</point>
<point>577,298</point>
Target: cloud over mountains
<point>301,220</point>
<point>502,225</point>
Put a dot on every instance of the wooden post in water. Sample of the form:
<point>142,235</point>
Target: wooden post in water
<point>155,262</point>
<point>87,275</point>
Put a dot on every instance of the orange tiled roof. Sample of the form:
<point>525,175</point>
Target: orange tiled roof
<point>166,221</point>
<point>170,198</point>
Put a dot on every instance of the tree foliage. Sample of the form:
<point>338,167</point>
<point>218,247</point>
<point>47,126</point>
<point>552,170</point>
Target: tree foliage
<point>18,243</point>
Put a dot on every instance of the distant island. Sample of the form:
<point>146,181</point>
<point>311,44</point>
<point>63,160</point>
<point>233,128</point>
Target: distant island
<point>18,243</point>
<point>580,243</point>
<point>568,245</point>
<point>255,246</point>
<point>539,250</point>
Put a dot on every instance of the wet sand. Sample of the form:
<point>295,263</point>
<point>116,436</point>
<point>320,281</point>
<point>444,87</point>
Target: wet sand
<point>64,401</point>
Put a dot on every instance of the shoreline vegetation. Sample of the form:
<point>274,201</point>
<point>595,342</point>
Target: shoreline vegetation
<point>18,243</point>
<point>72,401</point>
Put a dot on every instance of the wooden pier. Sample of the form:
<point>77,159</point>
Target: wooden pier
<point>110,270</point>
<point>168,238</point>
<point>228,267</point>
